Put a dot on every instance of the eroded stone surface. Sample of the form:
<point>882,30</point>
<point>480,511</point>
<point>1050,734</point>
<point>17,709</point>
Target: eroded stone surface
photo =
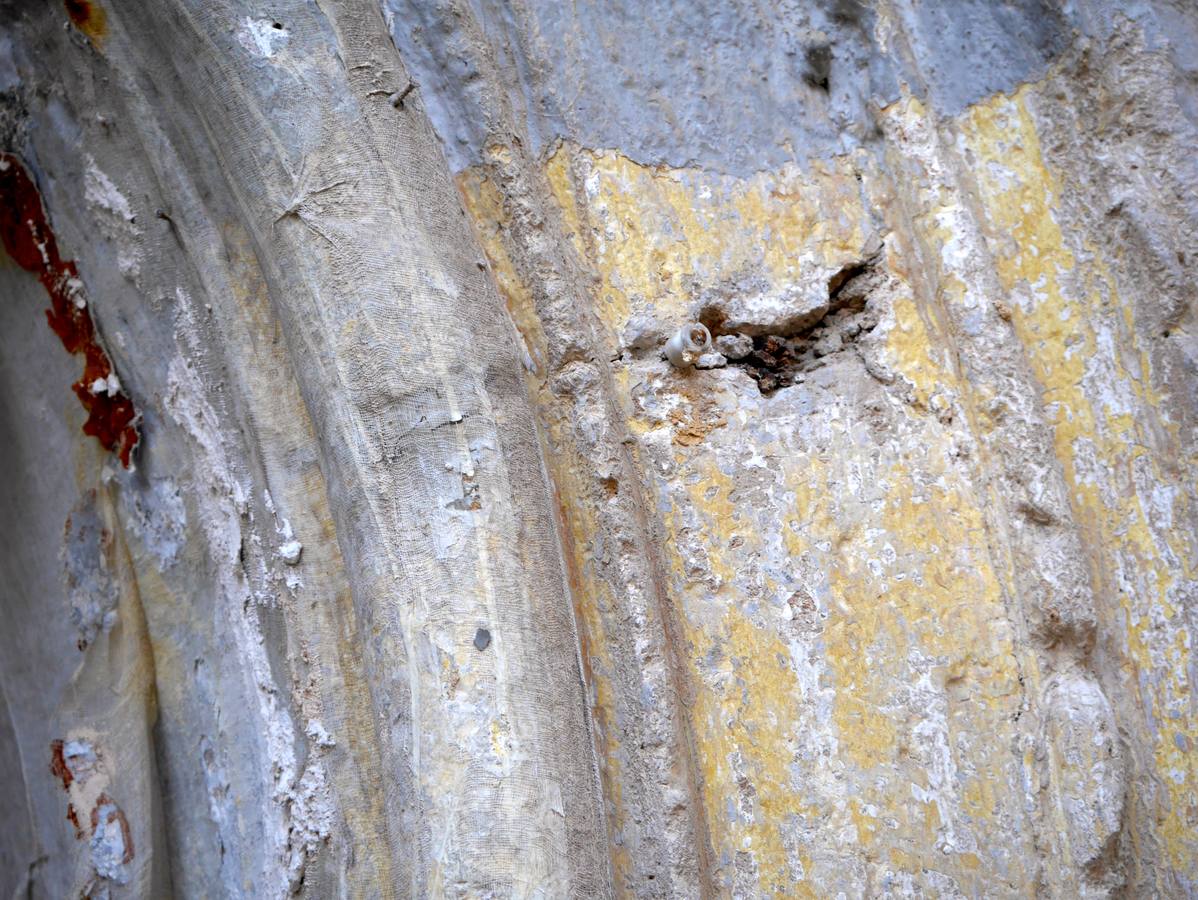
<point>897,601</point>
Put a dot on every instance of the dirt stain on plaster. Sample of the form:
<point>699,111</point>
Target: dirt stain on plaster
<point>79,765</point>
<point>89,18</point>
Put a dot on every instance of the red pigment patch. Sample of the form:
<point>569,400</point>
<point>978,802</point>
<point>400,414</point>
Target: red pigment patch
<point>111,418</point>
<point>58,765</point>
<point>73,818</point>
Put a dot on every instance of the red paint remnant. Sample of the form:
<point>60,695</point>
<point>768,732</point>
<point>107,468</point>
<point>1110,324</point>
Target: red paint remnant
<point>73,818</point>
<point>87,17</point>
<point>58,765</point>
<point>111,418</point>
<point>115,814</point>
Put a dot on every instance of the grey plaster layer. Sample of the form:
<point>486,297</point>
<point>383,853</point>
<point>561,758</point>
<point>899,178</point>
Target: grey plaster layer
<point>968,49</point>
<point>726,85</point>
<point>735,87</point>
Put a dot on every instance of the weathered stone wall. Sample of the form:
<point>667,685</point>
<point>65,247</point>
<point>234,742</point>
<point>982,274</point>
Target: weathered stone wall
<point>429,576</point>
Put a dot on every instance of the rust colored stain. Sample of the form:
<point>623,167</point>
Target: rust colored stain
<point>111,418</point>
<point>87,17</point>
<point>116,814</point>
<point>73,818</point>
<point>58,765</point>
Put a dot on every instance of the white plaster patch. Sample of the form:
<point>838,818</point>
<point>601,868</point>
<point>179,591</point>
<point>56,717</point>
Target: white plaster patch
<point>100,192</point>
<point>262,37</point>
<point>157,516</point>
<point>115,216</point>
<point>111,850</point>
<point>931,733</point>
<point>220,513</point>
<point>316,731</point>
<point>110,385</point>
<point>311,820</point>
<point>290,551</point>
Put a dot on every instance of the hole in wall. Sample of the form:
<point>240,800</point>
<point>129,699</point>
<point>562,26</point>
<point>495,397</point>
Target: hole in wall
<point>778,360</point>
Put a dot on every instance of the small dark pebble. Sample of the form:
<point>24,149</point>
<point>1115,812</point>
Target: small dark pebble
<point>482,639</point>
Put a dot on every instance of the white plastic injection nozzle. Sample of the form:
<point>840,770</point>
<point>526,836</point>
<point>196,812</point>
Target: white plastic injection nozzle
<point>687,344</point>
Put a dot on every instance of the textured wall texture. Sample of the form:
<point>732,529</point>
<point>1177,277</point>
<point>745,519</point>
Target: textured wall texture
<point>358,540</point>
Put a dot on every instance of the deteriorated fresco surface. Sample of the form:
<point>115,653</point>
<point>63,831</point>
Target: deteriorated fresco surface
<point>379,552</point>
